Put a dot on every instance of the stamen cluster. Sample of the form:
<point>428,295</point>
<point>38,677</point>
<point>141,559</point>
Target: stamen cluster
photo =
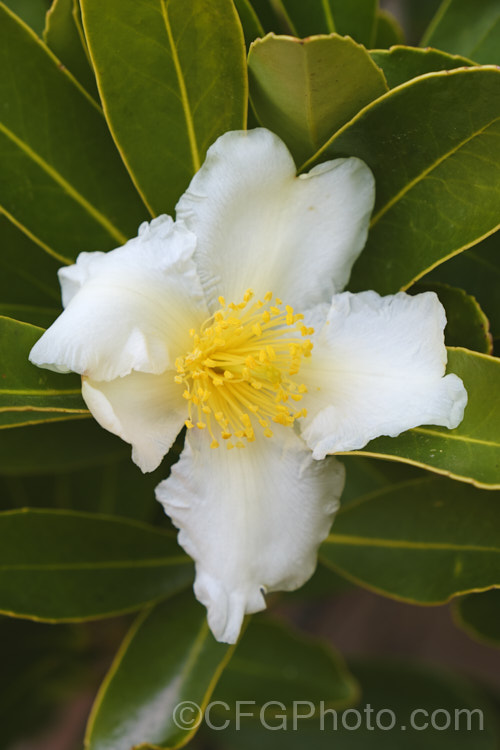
<point>240,369</point>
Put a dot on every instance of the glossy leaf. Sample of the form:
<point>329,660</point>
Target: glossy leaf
<point>28,274</point>
<point>40,664</point>
<point>465,28</point>
<point>29,290</point>
<point>302,20</point>
<point>479,615</point>
<point>63,565</point>
<point>466,323</point>
<point>34,417</point>
<point>24,388</point>
<point>64,36</point>
<point>388,32</point>
<point>32,12</point>
<point>119,488</point>
<point>192,55</point>
<point>406,686</point>
<point>356,18</point>
<point>58,448</point>
<point>476,270</point>
<point>306,90</point>
<point>273,663</point>
<point>403,696</point>
<point>470,452</point>
<point>366,475</point>
<point>62,178</point>
<point>422,541</point>
<point>169,658</point>
<point>324,583</point>
<point>416,18</point>
<point>264,10</point>
<point>34,314</point>
<point>437,171</point>
<point>401,64</point>
<point>252,27</point>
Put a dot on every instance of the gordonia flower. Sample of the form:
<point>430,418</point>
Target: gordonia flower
<point>231,321</point>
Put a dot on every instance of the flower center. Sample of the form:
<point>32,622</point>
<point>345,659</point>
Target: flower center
<point>239,372</point>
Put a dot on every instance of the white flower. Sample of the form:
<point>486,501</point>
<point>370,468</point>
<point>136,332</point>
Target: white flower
<point>185,324</point>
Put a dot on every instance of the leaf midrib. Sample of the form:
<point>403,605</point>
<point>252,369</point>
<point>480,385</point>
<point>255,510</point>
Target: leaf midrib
<point>99,217</point>
<point>98,565</point>
<point>360,541</point>
<point>485,35</point>
<point>422,175</point>
<point>186,106</point>
<point>41,392</point>
<point>451,436</point>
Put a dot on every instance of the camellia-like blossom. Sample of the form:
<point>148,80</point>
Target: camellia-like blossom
<point>232,321</point>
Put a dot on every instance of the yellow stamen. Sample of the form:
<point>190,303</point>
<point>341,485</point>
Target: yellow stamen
<point>239,373</point>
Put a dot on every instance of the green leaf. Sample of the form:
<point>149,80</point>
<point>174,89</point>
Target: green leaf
<point>273,663</point>
<point>305,90</point>
<point>172,78</point>
<point>422,541</point>
<point>356,18</point>
<point>416,18</point>
<point>466,323</point>
<point>41,664</point>
<point>28,278</point>
<point>119,488</point>
<point>303,20</point>
<point>264,10</point>
<point>64,36</point>
<point>476,270</point>
<point>168,658</point>
<point>437,172</point>
<point>62,181</point>
<point>470,452</point>
<point>36,315</point>
<point>63,565</point>
<point>34,417</point>
<point>479,616</point>
<point>365,475</point>
<point>252,27</point>
<point>405,687</point>
<point>465,28</point>
<point>388,31</point>
<point>401,64</point>
<point>413,699</point>
<point>28,275</point>
<point>24,388</point>
<point>58,448</point>
<point>325,583</point>
<point>116,488</point>
<point>32,12</point>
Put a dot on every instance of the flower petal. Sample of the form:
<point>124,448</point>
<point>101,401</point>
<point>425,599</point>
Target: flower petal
<point>377,369</point>
<point>252,519</point>
<point>145,410</point>
<point>259,226</point>
<point>129,309</point>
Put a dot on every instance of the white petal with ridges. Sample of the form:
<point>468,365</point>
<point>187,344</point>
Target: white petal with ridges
<point>251,518</point>
<point>378,368</point>
<point>145,410</point>
<point>129,309</point>
<point>259,226</point>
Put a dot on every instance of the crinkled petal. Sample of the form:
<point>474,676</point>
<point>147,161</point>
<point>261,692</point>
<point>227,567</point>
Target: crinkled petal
<point>378,368</point>
<point>129,309</point>
<point>251,518</point>
<point>145,410</point>
<point>261,227</point>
